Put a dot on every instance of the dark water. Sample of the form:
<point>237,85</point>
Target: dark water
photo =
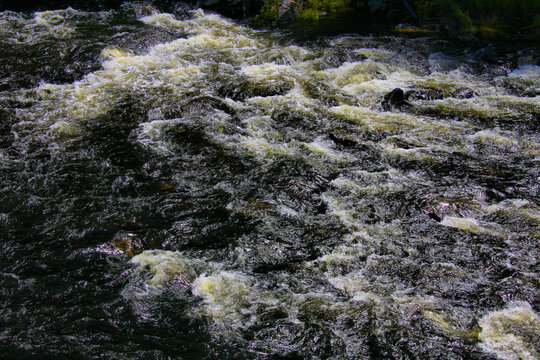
<point>179,186</point>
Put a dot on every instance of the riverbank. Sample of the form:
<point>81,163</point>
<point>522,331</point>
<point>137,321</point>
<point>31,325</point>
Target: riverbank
<point>467,20</point>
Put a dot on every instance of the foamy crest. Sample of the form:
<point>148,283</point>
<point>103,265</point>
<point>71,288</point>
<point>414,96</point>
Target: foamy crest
<point>512,333</point>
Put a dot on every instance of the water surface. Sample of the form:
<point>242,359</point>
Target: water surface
<point>180,186</point>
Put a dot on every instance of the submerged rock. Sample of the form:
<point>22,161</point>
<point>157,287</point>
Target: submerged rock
<point>198,104</point>
<point>438,208</point>
<point>464,93</point>
<point>163,266</point>
<point>123,244</point>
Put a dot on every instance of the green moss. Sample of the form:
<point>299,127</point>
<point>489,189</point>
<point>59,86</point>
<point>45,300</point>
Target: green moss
<point>311,11</point>
<point>310,14</point>
<point>314,8</point>
<point>269,11</point>
<point>462,18</point>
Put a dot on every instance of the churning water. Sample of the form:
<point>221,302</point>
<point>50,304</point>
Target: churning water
<point>185,187</point>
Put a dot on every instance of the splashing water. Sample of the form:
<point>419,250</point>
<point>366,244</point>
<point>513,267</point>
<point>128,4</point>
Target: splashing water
<point>183,186</point>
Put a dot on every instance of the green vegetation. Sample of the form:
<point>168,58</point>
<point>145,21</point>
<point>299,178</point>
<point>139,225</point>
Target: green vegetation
<point>486,18</point>
<point>314,8</point>
<point>482,18</point>
<point>269,10</point>
<point>307,10</point>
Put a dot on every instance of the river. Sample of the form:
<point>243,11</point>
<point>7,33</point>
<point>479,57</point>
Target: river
<point>182,186</point>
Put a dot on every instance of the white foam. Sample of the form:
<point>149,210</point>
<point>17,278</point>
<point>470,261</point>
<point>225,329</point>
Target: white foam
<point>229,298</point>
<point>467,224</point>
<point>375,121</point>
<point>327,149</point>
<point>56,22</point>
<point>512,333</point>
<point>287,211</point>
<point>167,266</point>
<point>150,134</point>
<point>263,148</point>
<point>526,70</point>
<point>489,137</point>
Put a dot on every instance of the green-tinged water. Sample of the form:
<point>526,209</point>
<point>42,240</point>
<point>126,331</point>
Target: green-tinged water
<point>185,187</point>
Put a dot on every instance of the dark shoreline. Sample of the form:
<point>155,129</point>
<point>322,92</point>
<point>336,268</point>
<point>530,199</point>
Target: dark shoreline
<point>355,21</point>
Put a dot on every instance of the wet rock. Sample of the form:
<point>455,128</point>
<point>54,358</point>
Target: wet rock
<point>464,93</point>
<point>410,29</point>
<point>126,244</point>
<point>342,141</point>
<point>439,207</point>
<point>138,10</point>
<point>325,93</point>
<point>338,57</point>
<point>487,54</point>
<point>288,11</point>
<point>424,94</point>
<point>530,56</point>
<point>395,99</point>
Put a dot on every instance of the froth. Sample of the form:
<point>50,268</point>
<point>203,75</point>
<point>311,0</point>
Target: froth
<point>512,333</point>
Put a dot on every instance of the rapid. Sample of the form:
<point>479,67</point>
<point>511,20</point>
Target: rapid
<point>182,186</point>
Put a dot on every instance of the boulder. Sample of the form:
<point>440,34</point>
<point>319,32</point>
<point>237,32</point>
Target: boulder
<point>395,99</point>
<point>288,11</point>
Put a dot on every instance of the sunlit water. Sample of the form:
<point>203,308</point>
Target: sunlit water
<point>184,187</point>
